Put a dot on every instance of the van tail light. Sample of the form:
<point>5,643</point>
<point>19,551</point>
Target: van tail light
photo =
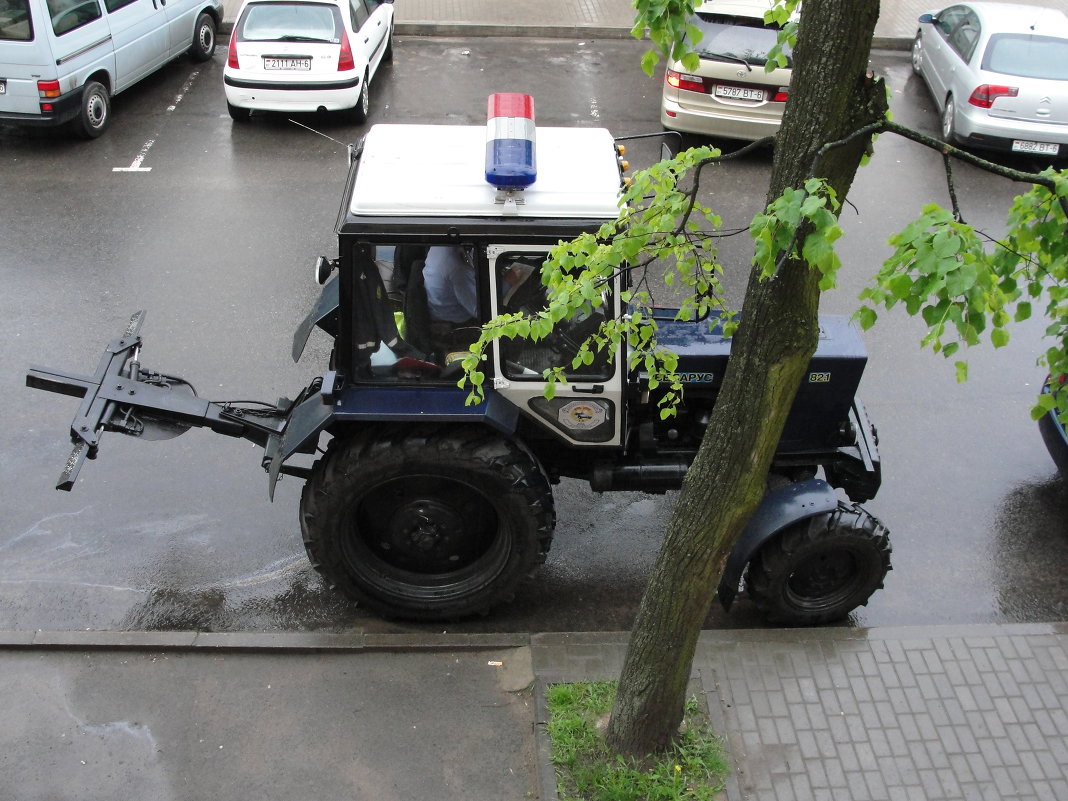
<point>344,59</point>
<point>231,56</point>
<point>985,95</point>
<point>687,83</point>
<point>48,89</point>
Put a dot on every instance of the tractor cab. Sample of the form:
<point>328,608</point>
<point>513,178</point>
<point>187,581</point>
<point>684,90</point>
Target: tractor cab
<point>502,200</point>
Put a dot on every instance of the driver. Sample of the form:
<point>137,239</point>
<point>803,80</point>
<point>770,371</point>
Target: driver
<point>452,296</point>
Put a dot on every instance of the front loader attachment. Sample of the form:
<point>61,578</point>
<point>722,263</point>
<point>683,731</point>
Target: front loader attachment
<point>124,397</point>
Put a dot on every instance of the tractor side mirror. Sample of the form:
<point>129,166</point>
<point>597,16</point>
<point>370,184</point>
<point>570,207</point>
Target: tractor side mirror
<point>323,268</point>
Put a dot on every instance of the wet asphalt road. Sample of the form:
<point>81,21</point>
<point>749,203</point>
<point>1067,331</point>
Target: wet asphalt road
<point>213,228</point>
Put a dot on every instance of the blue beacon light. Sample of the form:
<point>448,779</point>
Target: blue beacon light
<point>510,160</point>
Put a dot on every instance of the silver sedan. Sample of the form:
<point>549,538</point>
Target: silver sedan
<point>999,75</point>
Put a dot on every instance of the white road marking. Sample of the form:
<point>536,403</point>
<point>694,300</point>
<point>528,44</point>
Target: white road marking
<point>136,165</point>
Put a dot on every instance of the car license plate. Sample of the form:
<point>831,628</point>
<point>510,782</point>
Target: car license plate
<point>739,92</point>
<point>3,87</point>
<point>287,63</point>
<point>1046,148</point>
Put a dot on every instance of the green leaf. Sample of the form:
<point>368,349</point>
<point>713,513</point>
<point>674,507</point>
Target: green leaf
<point>867,317</point>
<point>649,61</point>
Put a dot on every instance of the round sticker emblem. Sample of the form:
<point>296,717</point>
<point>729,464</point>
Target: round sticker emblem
<point>581,415</point>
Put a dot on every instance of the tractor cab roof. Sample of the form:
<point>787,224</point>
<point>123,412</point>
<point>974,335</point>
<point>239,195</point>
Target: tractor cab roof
<point>435,172</point>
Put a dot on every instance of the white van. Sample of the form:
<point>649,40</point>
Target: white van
<point>62,60</point>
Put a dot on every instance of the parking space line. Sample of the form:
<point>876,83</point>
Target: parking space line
<point>135,166</point>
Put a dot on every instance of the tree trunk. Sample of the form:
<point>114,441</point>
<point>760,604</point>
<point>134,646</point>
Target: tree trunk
<point>830,97</point>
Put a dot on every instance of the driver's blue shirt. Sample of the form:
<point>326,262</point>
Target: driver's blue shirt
<point>449,278</point>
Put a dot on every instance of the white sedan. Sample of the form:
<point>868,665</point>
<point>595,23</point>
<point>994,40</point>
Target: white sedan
<point>998,74</point>
<point>307,55</point>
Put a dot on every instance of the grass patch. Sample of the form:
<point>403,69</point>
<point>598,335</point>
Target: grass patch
<point>693,770</point>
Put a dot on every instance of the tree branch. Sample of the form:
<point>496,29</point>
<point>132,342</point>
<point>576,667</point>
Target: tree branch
<point>989,166</point>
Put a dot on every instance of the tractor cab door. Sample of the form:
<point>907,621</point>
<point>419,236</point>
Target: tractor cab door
<point>588,409</point>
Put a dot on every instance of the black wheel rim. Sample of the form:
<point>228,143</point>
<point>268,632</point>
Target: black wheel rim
<point>425,537</point>
<point>824,580</point>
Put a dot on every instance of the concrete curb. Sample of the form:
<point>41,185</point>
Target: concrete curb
<point>492,29</point>
<point>313,641</point>
<point>254,642</point>
<point>567,32</point>
<point>470,29</point>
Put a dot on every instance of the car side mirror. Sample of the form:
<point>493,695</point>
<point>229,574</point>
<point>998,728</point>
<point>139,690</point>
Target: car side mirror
<point>928,18</point>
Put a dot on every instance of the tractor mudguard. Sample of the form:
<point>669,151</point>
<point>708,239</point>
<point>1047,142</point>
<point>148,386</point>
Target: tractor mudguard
<point>780,508</point>
<point>340,404</point>
<point>323,314</point>
<point>1053,434</point>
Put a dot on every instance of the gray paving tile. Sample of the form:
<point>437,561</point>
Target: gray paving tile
<point>886,714</point>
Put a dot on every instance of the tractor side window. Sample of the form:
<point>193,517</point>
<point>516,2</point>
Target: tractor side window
<point>433,296</point>
<point>519,290</point>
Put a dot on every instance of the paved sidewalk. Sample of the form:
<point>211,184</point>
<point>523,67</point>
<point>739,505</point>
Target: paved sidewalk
<point>933,713</point>
<point>584,18</point>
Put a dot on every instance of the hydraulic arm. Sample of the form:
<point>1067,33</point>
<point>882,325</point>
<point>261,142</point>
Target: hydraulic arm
<point>124,397</point>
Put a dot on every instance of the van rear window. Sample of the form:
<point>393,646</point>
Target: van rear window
<point>15,22</point>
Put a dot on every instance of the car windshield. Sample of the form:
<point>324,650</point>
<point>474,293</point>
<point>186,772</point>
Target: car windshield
<point>277,22</point>
<point>742,39</point>
<point>1027,56</point>
<point>15,22</point>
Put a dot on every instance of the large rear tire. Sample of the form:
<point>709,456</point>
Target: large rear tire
<point>820,569</point>
<point>427,522</point>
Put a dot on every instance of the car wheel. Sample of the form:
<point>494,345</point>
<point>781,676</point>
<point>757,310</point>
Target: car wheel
<point>359,112</point>
<point>94,116</point>
<point>821,569</point>
<point>238,114</point>
<point>203,47</point>
<point>949,114</point>
<point>427,522</point>
<point>917,54</point>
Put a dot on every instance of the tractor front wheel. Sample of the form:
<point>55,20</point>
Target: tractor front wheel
<point>820,569</point>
